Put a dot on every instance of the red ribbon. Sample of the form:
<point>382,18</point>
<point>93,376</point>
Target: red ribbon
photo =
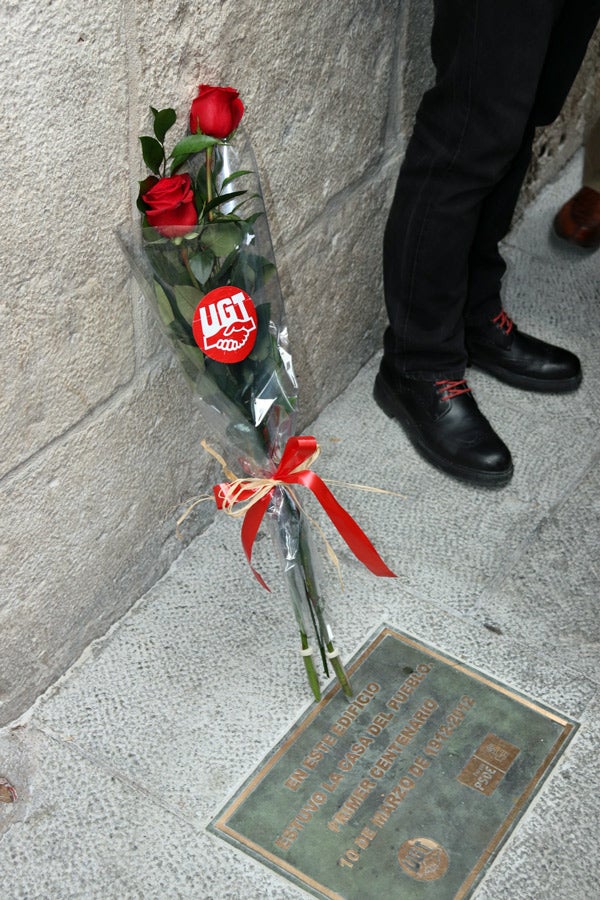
<point>289,471</point>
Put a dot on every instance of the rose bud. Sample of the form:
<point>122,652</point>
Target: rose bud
<point>216,111</point>
<point>170,207</point>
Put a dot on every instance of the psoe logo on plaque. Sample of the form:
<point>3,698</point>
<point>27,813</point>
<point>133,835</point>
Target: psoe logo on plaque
<point>225,323</point>
<point>423,859</point>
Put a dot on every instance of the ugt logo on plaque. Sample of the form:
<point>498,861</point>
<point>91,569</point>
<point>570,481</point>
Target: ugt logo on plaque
<point>423,859</point>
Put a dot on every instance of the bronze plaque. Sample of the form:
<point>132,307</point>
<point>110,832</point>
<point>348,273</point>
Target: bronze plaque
<point>406,791</point>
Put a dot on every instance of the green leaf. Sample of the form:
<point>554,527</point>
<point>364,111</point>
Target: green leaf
<point>145,186</point>
<point>201,265</point>
<point>181,333</point>
<point>249,197</point>
<point>153,154</point>
<point>261,264</point>
<point>188,146</point>
<point>193,356</point>
<point>163,120</point>
<point>178,163</point>
<point>246,229</point>
<point>264,340</point>
<point>236,175</point>
<point>243,275</point>
<point>200,185</point>
<point>221,237</point>
<point>223,274</point>
<point>150,235</point>
<point>194,143</point>
<point>222,198</point>
<point>262,267</point>
<point>187,299</point>
<point>164,307</point>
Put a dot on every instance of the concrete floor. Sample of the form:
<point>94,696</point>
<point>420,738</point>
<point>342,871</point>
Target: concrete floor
<point>122,764</point>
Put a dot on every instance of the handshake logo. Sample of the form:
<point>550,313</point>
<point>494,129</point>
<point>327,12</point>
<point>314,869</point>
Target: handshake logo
<point>225,324</point>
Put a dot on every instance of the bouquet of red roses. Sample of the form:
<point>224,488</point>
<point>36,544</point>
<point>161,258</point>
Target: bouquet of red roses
<point>206,264</point>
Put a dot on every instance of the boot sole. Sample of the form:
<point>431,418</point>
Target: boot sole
<point>527,383</point>
<point>389,404</point>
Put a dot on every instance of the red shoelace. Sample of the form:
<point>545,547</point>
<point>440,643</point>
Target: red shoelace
<point>448,389</point>
<point>503,321</point>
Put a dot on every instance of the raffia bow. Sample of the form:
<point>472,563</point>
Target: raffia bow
<point>249,498</point>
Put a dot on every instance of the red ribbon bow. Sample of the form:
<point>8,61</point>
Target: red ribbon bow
<point>290,471</point>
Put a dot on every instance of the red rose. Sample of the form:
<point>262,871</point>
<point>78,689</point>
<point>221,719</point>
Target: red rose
<point>216,111</point>
<point>170,206</point>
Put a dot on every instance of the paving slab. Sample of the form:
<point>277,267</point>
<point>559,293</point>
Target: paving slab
<point>86,831</point>
<point>549,597</point>
<point>120,768</point>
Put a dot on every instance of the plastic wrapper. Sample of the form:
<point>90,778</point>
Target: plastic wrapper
<point>204,260</point>
<point>255,400</point>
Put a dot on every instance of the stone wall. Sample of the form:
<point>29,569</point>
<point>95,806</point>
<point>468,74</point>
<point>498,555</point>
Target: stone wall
<point>99,433</point>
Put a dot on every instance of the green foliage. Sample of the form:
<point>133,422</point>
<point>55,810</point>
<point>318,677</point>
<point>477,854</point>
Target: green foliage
<point>153,153</point>
<point>235,175</point>
<point>254,394</point>
<point>187,299</point>
<point>201,264</point>
<point>221,238</point>
<point>164,119</point>
<point>251,271</point>
<point>145,186</point>
<point>217,252</point>
<point>164,307</point>
<point>189,146</point>
<point>222,198</point>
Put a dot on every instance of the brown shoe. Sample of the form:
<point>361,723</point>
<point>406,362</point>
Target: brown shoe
<point>578,221</point>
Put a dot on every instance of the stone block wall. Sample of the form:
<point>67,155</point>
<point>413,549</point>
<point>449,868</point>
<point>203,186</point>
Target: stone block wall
<point>99,434</point>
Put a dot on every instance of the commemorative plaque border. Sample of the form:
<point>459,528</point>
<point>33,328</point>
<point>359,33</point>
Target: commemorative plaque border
<point>491,765</point>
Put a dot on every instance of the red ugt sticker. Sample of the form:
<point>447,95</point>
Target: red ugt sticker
<point>224,324</point>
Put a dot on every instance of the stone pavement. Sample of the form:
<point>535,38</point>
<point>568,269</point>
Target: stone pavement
<point>122,764</point>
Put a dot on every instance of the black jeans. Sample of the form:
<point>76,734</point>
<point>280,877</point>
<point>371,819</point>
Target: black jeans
<point>503,67</point>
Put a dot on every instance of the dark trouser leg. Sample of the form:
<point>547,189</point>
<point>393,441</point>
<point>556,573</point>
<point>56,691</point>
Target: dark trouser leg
<point>472,126</point>
<point>486,265</point>
<point>568,44</point>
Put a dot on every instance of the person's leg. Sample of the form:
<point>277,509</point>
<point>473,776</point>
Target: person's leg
<point>470,127</point>
<point>486,265</point>
<point>493,341</point>
<point>567,46</point>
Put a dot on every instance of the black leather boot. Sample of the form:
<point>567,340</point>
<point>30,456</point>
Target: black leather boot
<point>498,347</point>
<point>444,423</point>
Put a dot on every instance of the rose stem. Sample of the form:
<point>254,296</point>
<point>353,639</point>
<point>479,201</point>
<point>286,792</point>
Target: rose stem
<point>313,679</point>
<point>339,670</point>
<point>209,186</point>
<point>186,261</point>
<point>312,592</point>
